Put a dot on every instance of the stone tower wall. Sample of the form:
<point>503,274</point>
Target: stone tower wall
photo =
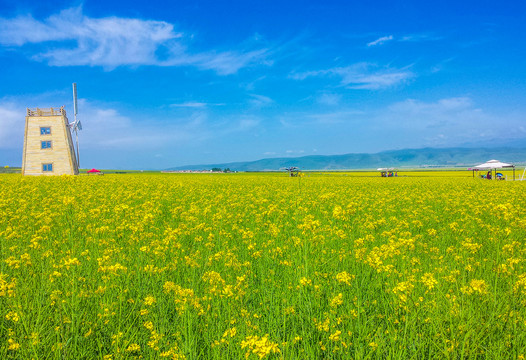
<point>61,154</point>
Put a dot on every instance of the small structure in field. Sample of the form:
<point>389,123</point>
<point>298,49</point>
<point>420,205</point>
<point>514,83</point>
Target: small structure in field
<point>94,171</point>
<point>387,172</point>
<point>493,165</point>
<point>293,171</point>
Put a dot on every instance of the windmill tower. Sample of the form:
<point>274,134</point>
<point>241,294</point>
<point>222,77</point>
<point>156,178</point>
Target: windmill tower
<point>48,146</point>
<point>76,126</point>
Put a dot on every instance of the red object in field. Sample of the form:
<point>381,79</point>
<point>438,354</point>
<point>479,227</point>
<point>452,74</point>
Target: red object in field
<point>93,171</point>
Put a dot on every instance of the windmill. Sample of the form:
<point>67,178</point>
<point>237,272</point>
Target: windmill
<point>76,125</point>
<point>48,144</point>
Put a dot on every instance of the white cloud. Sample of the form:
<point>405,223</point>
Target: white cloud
<point>335,117</point>
<point>419,38</point>
<point>112,41</point>
<point>247,123</point>
<point>260,100</point>
<point>110,133</point>
<point>12,125</point>
<point>412,123</point>
<point>362,76</point>
<point>107,128</point>
<point>449,122</point>
<point>295,152</point>
<point>380,41</point>
<point>329,99</point>
<point>190,104</point>
<point>441,106</point>
<point>224,63</point>
<point>195,104</point>
<point>107,41</point>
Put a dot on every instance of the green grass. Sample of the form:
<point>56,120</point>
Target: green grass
<point>127,266</point>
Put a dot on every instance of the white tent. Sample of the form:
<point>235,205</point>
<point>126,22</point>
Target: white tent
<point>385,169</point>
<point>494,165</point>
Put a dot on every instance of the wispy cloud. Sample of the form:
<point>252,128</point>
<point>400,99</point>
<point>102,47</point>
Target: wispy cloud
<point>441,65</point>
<point>294,152</point>
<point>419,37</point>
<point>362,76</point>
<point>190,104</point>
<point>441,106</point>
<point>107,41</point>
<point>224,63</point>
<point>380,40</point>
<point>194,104</point>
<point>112,41</point>
<point>335,117</point>
<point>106,128</point>
<point>11,124</point>
<point>412,123</point>
<point>245,124</point>
<point>329,99</point>
<point>449,122</point>
<point>260,100</point>
<point>109,129</point>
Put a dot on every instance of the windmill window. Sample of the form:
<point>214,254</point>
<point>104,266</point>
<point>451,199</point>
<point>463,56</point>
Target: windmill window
<point>45,130</point>
<point>45,144</point>
<point>47,167</point>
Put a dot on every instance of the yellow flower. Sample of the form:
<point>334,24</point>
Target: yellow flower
<point>259,346</point>
<point>344,277</point>
<point>12,316</point>
<point>133,348</point>
<point>149,300</point>
<point>337,300</point>
<point>304,281</point>
<point>479,286</point>
<point>475,286</point>
<point>13,345</point>
<point>230,332</point>
<point>335,336</point>
<point>429,281</point>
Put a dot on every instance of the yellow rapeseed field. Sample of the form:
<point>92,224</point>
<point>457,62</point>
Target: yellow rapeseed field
<point>234,266</point>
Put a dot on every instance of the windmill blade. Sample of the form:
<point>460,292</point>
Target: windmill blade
<point>76,124</point>
<point>73,125</point>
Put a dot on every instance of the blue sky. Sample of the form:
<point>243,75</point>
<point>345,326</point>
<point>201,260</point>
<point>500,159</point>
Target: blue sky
<point>165,84</point>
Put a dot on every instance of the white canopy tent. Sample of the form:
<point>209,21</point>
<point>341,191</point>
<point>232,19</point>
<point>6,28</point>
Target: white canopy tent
<point>493,165</point>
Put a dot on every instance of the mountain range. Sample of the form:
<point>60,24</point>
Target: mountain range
<point>408,158</point>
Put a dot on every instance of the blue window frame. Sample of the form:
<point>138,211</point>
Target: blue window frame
<point>47,167</point>
<point>45,130</point>
<point>45,144</point>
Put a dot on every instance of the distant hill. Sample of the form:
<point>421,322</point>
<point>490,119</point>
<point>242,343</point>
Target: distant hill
<point>427,157</point>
